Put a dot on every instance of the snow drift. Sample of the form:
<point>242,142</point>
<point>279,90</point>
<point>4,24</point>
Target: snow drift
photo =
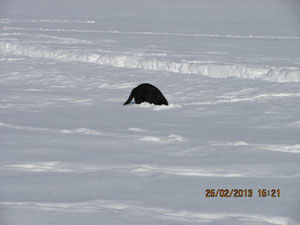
<point>158,63</point>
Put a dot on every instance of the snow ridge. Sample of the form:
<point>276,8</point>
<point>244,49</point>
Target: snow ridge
<point>135,208</point>
<point>145,32</point>
<point>140,61</point>
<point>7,21</point>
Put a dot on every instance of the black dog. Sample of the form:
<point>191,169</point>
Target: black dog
<point>147,93</point>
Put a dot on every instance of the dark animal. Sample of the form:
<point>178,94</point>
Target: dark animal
<point>147,93</point>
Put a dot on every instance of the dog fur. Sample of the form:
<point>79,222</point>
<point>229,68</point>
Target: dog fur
<point>147,93</point>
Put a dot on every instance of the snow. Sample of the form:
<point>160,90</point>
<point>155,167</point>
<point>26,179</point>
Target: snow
<point>71,153</point>
<point>140,61</point>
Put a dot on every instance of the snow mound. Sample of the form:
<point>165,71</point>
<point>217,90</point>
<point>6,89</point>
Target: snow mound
<point>171,138</point>
<point>158,107</point>
<point>140,61</point>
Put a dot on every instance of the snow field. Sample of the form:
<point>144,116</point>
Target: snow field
<point>71,153</point>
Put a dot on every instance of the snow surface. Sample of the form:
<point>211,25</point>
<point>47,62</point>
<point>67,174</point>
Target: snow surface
<point>71,153</point>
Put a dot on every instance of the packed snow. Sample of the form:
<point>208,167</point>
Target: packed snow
<point>71,153</point>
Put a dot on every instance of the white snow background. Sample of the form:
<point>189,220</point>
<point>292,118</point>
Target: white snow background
<point>72,154</point>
